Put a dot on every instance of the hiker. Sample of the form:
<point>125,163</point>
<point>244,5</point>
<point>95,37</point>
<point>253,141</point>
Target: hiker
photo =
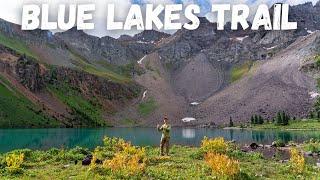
<point>165,138</point>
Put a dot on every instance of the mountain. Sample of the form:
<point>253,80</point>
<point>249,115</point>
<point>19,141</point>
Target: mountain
<point>72,79</point>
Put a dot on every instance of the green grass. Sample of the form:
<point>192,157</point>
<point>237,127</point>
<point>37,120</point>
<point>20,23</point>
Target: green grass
<point>128,122</point>
<point>87,111</point>
<point>19,112</point>
<point>84,65</point>
<point>183,163</point>
<point>309,124</point>
<point>317,59</point>
<point>239,71</point>
<point>146,108</point>
<point>16,45</point>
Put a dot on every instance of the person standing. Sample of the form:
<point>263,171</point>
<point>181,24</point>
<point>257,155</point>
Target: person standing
<point>165,138</point>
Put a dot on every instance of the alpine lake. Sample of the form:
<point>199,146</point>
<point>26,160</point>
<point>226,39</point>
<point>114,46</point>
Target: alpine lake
<point>43,139</point>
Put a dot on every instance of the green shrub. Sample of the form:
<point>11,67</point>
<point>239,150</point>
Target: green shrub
<point>146,108</point>
<point>317,58</point>
<point>312,146</point>
<point>278,143</point>
<point>239,71</point>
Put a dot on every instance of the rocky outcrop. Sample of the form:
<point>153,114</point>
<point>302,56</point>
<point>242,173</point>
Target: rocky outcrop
<point>35,76</point>
<point>93,86</point>
<point>29,74</point>
<point>120,51</point>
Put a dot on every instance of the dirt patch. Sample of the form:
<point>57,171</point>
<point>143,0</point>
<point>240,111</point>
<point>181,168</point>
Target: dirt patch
<point>6,57</point>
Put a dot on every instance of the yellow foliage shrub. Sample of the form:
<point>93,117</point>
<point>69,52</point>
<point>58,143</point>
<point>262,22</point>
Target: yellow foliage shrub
<point>216,145</point>
<point>297,161</point>
<point>222,166</point>
<point>93,164</point>
<point>128,161</point>
<point>14,162</point>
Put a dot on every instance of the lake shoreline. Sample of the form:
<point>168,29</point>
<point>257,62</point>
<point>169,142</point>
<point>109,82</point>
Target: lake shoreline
<point>183,161</point>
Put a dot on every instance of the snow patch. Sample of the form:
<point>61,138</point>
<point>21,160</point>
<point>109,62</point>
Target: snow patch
<point>194,104</point>
<point>140,61</point>
<point>270,48</point>
<point>310,32</point>
<point>143,42</point>
<point>314,95</point>
<point>241,38</point>
<point>144,95</point>
<point>188,119</point>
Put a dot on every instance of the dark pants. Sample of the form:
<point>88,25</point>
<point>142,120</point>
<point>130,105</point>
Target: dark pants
<point>164,144</point>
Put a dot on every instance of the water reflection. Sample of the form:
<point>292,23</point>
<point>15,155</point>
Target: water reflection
<point>188,133</point>
<point>47,138</point>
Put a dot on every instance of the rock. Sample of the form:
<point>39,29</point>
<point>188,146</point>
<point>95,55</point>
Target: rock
<point>267,146</point>
<point>309,153</point>
<point>278,144</point>
<point>244,150</point>
<point>87,160</point>
<point>254,145</point>
<point>29,74</point>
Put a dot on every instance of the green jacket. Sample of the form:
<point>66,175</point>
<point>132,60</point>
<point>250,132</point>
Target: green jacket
<point>165,129</point>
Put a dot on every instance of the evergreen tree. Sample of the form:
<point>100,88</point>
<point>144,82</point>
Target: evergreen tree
<point>283,117</point>
<point>252,119</point>
<point>285,121</point>
<point>279,119</point>
<point>260,120</point>
<point>256,119</point>
<point>230,122</point>
<point>311,115</point>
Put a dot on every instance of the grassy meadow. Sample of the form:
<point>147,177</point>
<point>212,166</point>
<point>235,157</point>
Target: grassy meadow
<point>117,159</point>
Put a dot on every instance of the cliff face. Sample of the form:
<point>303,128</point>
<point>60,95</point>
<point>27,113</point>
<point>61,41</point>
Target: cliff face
<point>29,74</point>
<point>93,86</point>
<point>74,97</point>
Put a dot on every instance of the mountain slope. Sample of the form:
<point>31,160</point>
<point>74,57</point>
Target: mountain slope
<point>82,80</point>
<point>271,86</point>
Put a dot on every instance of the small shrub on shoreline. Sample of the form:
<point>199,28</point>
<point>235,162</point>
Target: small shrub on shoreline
<point>222,166</point>
<point>14,162</point>
<point>297,162</point>
<point>216,145</point>
<point>312,146</point>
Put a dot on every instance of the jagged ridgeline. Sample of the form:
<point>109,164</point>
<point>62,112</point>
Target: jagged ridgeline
<point>72,79</point>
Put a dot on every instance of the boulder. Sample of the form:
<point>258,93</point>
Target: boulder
<point>87,160</point>
<point>254,145</point>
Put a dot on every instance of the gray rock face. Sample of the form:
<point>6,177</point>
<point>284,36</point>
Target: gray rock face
<point>29,74</point>
<point>120,51</point>
<point>93,86</point>
<point>306,15</point>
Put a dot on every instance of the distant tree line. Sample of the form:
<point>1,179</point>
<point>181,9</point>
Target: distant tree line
<point>281,119</point>
<point>257,119</point>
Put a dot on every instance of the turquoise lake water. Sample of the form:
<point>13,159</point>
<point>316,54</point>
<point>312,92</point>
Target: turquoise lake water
<point>11,139</point>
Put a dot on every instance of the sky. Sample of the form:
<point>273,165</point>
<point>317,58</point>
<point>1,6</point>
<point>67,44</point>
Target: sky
<point>11,10</point>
